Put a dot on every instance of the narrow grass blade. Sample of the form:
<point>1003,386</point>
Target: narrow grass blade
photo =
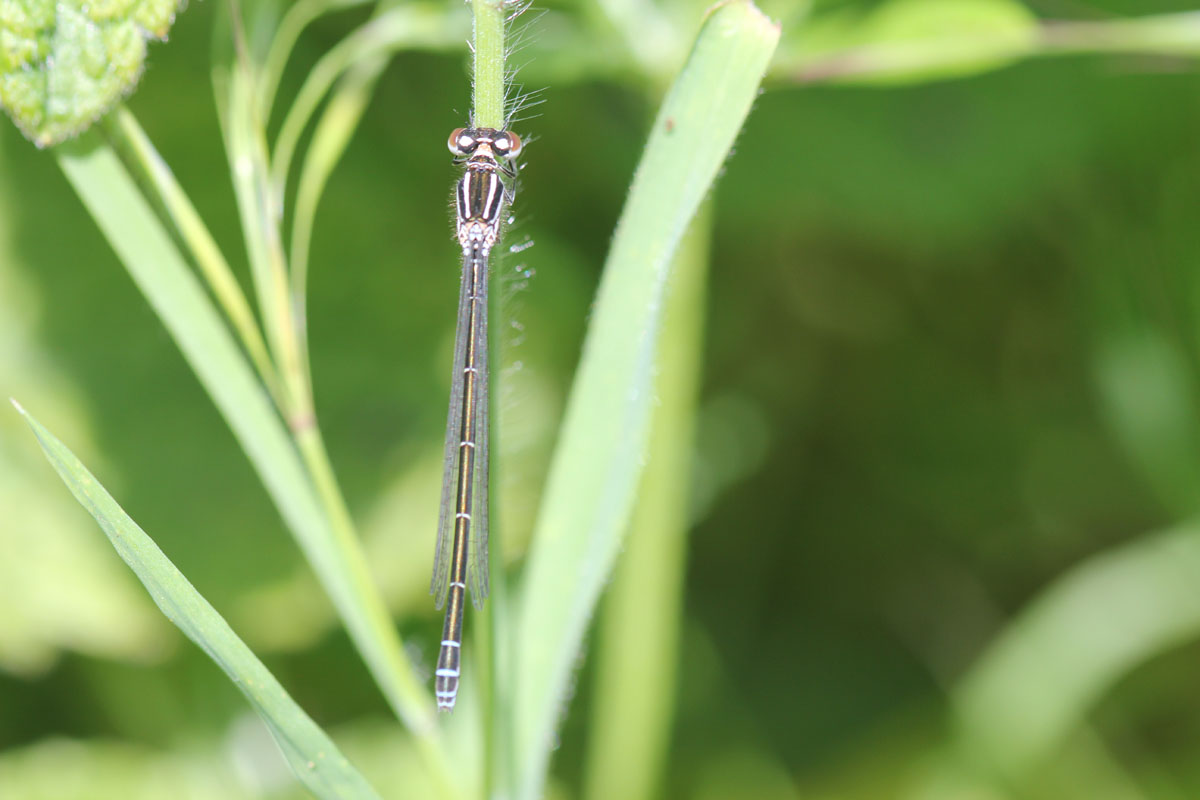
<point>415,25</point>
<point>1089,629</point>
<point>330,138</point>
<point>597,465</point>
<point>156,266</point>
<point>311,754</point>
<point>194,234</point>
<point>298,17</point>
<point>639,629</point>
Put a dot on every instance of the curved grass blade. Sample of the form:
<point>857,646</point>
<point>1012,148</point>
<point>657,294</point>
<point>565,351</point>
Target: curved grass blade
<point>1090,628</point>
<point>330,138</point>
<point>311,754</point>
<point>302,14</point>
<point>204,249</point>
<point>597,465</point>
<point>414,25</point>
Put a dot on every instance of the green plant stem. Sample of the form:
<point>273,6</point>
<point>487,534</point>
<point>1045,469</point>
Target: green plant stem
<point>492,628</point>
<point>123,127</point>
<point>1064,651</point>
<point>1161,34</point>
<point>639,633</point>
<point>248,162</point>
<point>487,105</point>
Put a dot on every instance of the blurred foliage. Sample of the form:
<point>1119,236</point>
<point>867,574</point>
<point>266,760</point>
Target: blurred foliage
<point>951,373</point>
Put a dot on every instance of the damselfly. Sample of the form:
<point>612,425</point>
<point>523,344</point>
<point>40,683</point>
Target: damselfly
<point>481,197</point>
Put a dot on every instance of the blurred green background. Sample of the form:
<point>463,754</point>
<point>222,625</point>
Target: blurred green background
<point>951,365</point>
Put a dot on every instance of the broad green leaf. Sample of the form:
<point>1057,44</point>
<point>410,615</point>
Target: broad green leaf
<point>597,465</point>
<point>66,63</point>
<point>312,755</point>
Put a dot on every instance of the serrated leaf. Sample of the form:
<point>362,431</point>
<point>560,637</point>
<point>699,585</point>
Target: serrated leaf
<point>66,63</point>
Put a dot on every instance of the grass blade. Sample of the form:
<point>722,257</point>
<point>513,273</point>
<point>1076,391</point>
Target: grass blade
<point>409,26</point>
<point>1090,628</point>
<point>311,754</point>
<point>597,465</point>
<point>332,135</point>
<point>293,23</point>
<point>639,628</point>
<point>124,128</point>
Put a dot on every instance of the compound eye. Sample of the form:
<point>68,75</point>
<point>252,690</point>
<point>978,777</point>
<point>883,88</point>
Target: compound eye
<point>460,142</point>
<point>508,144</point>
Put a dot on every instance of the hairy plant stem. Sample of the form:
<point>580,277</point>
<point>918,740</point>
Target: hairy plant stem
<point>492,629</point>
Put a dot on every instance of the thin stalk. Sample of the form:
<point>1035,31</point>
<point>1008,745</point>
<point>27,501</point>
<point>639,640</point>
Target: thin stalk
<point>492,629</point>
<point>202,248</point>
<point>488,98</point>
<point>248,161</point>
<point>1162,34</point>
<point>333,132</point>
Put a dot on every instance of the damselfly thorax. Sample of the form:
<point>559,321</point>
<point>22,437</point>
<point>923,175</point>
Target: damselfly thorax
<point>482,194</point>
